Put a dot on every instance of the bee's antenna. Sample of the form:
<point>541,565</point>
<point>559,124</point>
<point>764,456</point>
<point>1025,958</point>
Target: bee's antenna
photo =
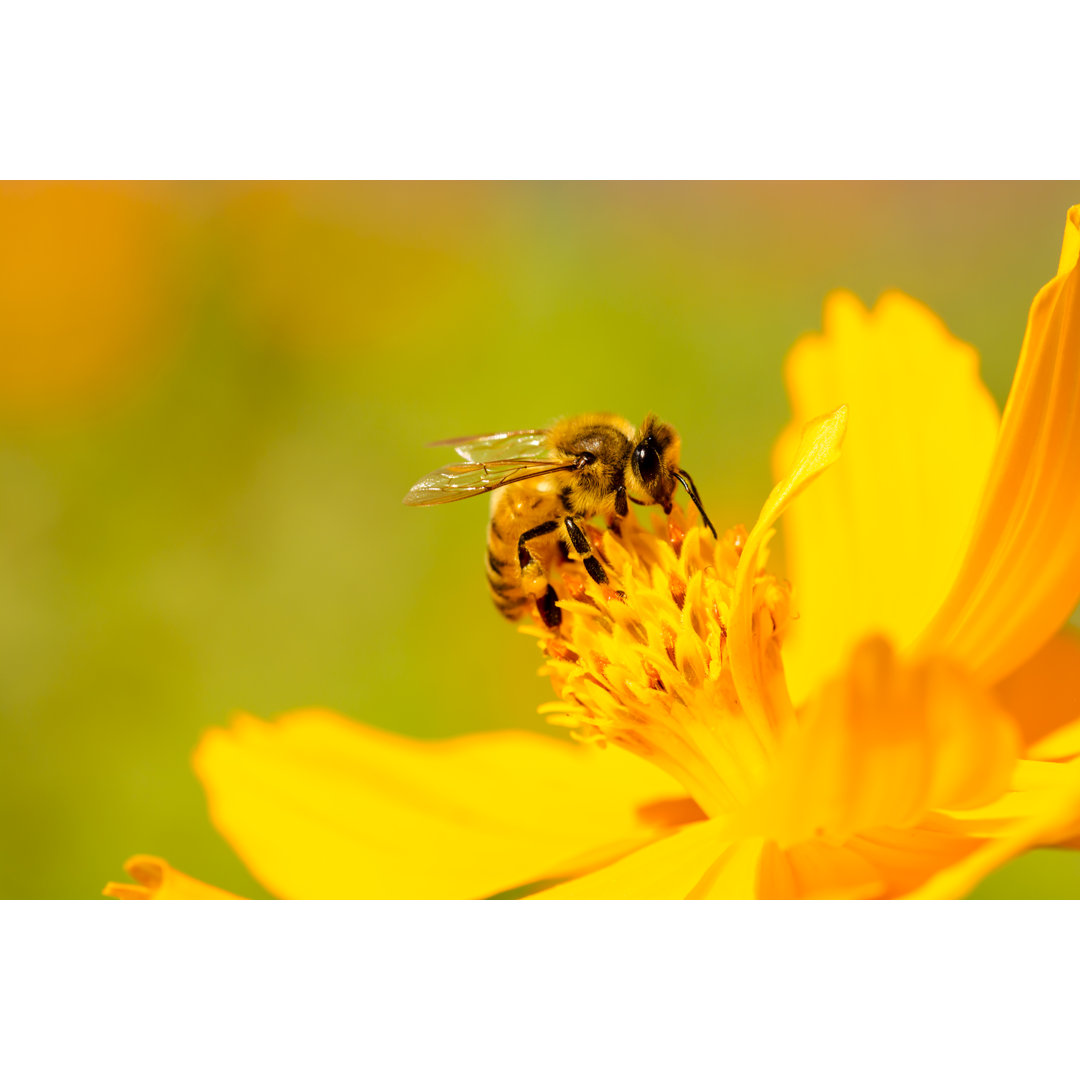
<point>687,482</point>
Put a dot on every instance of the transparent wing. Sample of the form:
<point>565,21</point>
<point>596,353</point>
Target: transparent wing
<point>499,446</point>
<point>453,482</point>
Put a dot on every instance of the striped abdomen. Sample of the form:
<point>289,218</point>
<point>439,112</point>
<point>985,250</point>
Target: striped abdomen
<point>514,511</point>
<point>503,573</point>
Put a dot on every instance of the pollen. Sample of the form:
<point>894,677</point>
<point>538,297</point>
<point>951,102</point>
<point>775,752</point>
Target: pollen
<point>643,663</point>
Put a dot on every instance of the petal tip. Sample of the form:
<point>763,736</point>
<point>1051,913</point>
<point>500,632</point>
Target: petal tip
<point>1070,245</point>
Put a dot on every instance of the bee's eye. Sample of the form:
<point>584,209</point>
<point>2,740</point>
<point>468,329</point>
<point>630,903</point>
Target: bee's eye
<point>647,461</point>
<point>585,458</point>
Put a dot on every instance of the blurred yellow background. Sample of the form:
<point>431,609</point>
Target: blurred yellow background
<point>213,397</point>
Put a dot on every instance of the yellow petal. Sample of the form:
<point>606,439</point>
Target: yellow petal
<point>817,871</point>
<point>873,546</point>
<point>906,858</point>
<point>818,448</point>
<point>882,745</point>
<point>319,807</point>
<point>735,875</point>
<point>1043,694</point>
<point>157,880</point>
<point>1061,744</point>
<point>1020,577</point>
<point>672,869</point>
<point>1052,816</point>
<point>703,862</point>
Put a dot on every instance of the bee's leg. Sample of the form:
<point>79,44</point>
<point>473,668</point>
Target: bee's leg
<point>622,508</point>
<point>549,609</point>
<point>533,580</point>
<point>584,548</point>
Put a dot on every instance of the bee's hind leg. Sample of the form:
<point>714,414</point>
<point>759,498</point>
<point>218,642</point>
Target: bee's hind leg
<point>534,581</point>
<point>549,609</point>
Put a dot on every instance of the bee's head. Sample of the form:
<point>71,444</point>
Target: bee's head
<point>652,470</point>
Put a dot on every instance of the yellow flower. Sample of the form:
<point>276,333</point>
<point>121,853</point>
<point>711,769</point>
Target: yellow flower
<point>897,723</point>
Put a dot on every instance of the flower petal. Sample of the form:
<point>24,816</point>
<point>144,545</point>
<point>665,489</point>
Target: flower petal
<point>1050,815</point>
<point>321,807</point>
<point>906,858</point>
<point>157,880</point>
<point>703,862</point>
<point>818,448</point>
<point>672,869</point>
<point>817,871</point>
<point>1020,576</point>
<point>1043,694</point>
<point>881,746</point>
<point>873,547</point>
<point>1062,744</point>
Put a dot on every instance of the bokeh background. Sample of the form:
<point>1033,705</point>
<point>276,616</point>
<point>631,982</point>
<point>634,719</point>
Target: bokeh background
<point>213,396</point>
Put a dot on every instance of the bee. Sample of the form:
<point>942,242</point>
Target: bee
<point>544,484</point>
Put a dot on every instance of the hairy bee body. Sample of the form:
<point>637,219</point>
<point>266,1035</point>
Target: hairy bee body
<point>544,484</point>
<point>519,554</point>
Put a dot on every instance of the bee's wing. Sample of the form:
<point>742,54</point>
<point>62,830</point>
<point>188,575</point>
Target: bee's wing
<point>499,446</point>
<point>453,482</point>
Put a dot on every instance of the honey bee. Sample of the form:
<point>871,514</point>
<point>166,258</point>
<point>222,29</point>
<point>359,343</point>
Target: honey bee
<point>544,483</point>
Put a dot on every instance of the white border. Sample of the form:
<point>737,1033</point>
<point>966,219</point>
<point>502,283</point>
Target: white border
<point>585,989</point>
<point>582,89</point>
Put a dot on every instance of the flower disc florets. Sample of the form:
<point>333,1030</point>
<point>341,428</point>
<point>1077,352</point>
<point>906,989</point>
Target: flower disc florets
<point>643,663</point>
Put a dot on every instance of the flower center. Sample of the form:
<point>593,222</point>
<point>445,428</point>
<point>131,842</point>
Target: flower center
<point>643,664</point>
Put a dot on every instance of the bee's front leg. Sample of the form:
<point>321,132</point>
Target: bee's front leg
<point>584,549</point>
<point>622,508</point>
<point>534,581</point>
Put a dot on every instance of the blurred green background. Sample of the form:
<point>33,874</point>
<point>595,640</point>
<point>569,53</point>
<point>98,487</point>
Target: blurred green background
<point>213,396</point>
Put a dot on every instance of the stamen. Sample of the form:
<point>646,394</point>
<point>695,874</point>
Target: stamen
<point>650,673</point>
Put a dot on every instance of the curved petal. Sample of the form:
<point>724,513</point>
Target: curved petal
<point>906,858</point>
<point>881,746</point>
<point>1062,744</point>
<point>157,880</point>
<point>1043,694</point>
<point>817,871</point>
<point>696,862</point>
<point>942,857</point>
<point>1020,576</point>
<point>1044,808</point>
<point>818,449</point>
<point>320,807</point>
<point>703,862</point>
<point>874,545</point>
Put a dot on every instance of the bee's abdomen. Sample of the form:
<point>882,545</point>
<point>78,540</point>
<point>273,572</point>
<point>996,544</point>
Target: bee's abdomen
<point>501,564</point>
